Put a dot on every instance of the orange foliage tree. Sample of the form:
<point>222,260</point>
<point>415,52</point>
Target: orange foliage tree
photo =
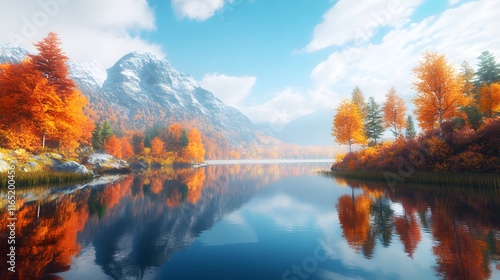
<point>489,99</point>
<point>127,149</point>
<point>113,146</point>
<point>348,124</point>
<point>439,97</point>
<point>51,61</point>
<point>157,147</point>
<point>39,102</point>
<point>394,112</point>
<point>195,150</point>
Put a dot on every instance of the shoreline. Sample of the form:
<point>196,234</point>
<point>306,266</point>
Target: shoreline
<point>469,179</point>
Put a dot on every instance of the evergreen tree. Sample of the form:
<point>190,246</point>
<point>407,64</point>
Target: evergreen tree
<point>488,71</point>
<point>373,120</point>
<point>474,117</point>
<point>184,140</point>
<point>410,128</point>
<point>359,100</point>
<point>106,131</point>
<point>170,143</point>
<point>147,141</point>
<point>97,137</point>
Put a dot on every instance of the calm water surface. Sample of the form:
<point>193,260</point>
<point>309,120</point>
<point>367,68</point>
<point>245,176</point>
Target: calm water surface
<point>254,221</point>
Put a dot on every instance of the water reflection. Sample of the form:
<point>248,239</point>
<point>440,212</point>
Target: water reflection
<point>132,225</point>
<point>463,222</point>
<point>255,221</point>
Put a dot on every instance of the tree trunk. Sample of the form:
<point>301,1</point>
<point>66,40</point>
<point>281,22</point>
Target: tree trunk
<point>43,141</point>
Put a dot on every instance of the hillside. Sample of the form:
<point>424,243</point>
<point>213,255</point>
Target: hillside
<point>141,90</point>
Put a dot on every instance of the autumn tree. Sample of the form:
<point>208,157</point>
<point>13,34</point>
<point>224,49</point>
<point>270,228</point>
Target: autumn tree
<point>348,124</point>
<point>394,110</point>
<point>34,112</point>
<point>373,121</point>
<point>127,148</point>
<point>51,61</point>
<point>194,151</point>
<point>29,107</point>
<point>410,132</point>
<point>488,71</point>
<point>157,147</point>
<point>489,99</point>
<point>438,91</point>
<point>113,146</point>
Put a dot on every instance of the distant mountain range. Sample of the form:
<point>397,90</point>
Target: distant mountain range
<point>141,90</point>
<point>311,129</point>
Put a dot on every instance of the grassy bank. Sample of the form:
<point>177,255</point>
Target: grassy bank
<point>432,178</point>
<point>35,178</point>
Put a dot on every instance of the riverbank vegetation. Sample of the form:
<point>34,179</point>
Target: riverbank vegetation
<point>457,112</point>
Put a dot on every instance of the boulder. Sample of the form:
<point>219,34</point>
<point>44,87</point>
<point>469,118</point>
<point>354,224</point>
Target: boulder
<point>72,166</point>
<point>105,163</point>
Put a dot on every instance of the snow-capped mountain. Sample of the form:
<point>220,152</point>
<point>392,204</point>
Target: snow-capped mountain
<point>10,53</point>
<point>141,89</point>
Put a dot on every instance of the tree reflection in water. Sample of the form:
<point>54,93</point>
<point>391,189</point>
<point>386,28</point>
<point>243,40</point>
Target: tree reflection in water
<point>464,224</point>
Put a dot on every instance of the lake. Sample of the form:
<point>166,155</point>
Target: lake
<point>257,220</point>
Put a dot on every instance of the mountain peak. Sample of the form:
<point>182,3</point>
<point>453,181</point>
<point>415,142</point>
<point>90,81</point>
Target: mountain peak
<point>144,55</point>
<point>11,53</point>
<point>142,71</point>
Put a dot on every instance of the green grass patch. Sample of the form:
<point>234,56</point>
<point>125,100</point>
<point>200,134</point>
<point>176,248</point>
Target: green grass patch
<point>37,178</point>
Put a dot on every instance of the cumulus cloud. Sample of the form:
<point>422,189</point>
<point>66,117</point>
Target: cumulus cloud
<point>230,89</point>
<point>461,33</point>
<point>286,105</point>
<point>92,29</point>
<point>348,21</point>
<point>197,9</point>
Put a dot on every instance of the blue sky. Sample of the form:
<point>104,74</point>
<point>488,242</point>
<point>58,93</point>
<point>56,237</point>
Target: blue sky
<point>275,60</point>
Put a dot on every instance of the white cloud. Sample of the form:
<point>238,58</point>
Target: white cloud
<point>461,33</point>
<point>377,67</point>
<point>230,89</point>
<point>90,30</point>
<point>349,21</point>
<point>197,9</point>
<point>453,2</point>
<point>289,104</point>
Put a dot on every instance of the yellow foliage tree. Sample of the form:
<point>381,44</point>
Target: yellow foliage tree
<point>439,96</point>
<point>489,99</point>
<point>195,150</point>
<point>394,112</point>
<point>348,124</point>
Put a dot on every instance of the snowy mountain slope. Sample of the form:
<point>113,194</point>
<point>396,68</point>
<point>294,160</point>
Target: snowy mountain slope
<point>140,88</point>
<point>10,53</point>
